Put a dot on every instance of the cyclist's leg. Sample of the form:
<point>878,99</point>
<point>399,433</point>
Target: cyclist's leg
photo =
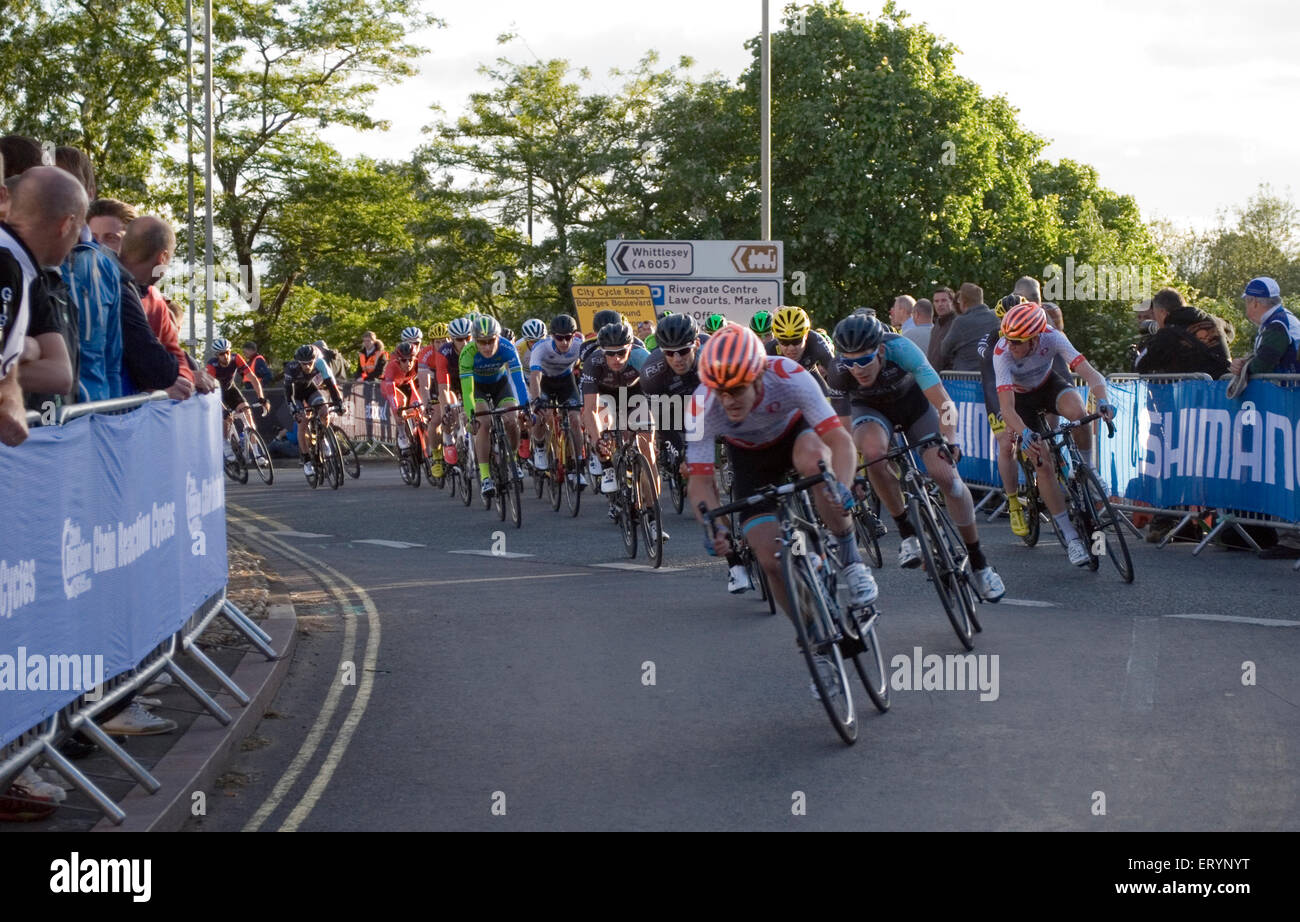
<point>1028,406</point>
<point>762,533</point>
<point>871,435</point>
<point>1069,403</point>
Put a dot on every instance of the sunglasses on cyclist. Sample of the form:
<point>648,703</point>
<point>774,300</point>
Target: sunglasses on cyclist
<point>460,339</point>
<point>563,338</point>
<point>859,362</point>
<point>732,392</point>
<point>617,353</point>
<point>486,342</point>
<point>790,342</point>
<point>679,352</point>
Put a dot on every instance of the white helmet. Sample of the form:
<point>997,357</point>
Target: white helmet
<point>412,335</point>
<point>534,329</point>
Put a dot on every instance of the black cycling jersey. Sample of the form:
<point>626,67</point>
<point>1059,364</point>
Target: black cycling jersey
<point>894,392</point>
<point>815,354</point>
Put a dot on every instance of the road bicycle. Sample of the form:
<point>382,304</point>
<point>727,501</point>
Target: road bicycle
<point>566,465</point>
<point>670,474</point>
<point>828,632</point>
<point>348,451</point>
<point>501,467</point>
<point>323,452</point>
<point>249,451</point>
<point>868,527</point>
<point>635,501</point>
<point>947,562</point>
<point>412,458</point>
<point>461,476</point>
<point>1087,501</point>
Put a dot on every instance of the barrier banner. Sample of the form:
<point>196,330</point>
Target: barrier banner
<point>115,533</point>
<point>367,416</point>
<point>1184,443</point>
<point>979,448</point>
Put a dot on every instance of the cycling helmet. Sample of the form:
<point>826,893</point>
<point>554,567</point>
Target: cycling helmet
<point>604,318</point>
<point>306,353</point>
<point>1009,302</point>
<point>460,328</point>
<point>412,335</point>
<point>508,334</point>
<point>791,323</point>
<point>733,357</point>
<point>438,331</point>
<point>859,333</point>
<point>534,329</point>
<point>563,325</point>
<point>615,334</point>
<point>715,323</point>
<point>677,332</point>
<point>486,327</point>
<point>761,323</point>
<point>1024,322</point>
<point>220,345</point>
<point>405,351</point>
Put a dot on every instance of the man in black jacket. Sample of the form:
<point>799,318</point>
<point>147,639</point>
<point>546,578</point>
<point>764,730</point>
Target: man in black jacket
<point>1187,341</point>
<point>960,349</point>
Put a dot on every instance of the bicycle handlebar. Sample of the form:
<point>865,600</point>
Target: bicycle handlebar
<point>1083,421</point>
<point>500,411</point>
<point>772,491</point>
<point>909,447</point>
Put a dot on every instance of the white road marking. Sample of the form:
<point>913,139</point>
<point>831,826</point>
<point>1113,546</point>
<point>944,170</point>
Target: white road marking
<point>1238,619</point>
<point>484,553</point>
<point>497,579</point>
<point>638,566</point>
<point>1028,603</point>
<point>299,534</point>
<point>1144,651</point>
<point>382,542</point>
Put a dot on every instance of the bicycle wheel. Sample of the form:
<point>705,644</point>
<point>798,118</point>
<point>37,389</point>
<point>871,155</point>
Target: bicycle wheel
<point>261,458</point>
<point>332,459</point>
<point>649,511</point>
<point>515,495</point>
<point>805,591</point>
<point>624,510</point>
<point>864,526</point>
<point>1083,517</point>
<point>240,459</point>
<point>317,476</point>
<point>869,659</point>
<point>941,570</point>
<point>1106,519</point>
<point>758,578</point>
<point>965,575</point>
<point>555,477</point>
<point>1032,506</point>
<point>468,470</point>
<point>348,448</point>
<point>572,471</point>
<point>498,480</point>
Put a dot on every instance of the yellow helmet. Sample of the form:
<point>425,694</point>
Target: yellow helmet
<point>438,331</point>
<point>791,323</point>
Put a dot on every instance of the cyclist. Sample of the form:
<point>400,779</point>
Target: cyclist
<point>613,369</point>
<point>303,379</point>
<point>224,367</point>
<point>551,376</point>
<point>447,382</point>
<point>401,389</point>
<point>1026,384</point>
<point>774,418</point>
<point>761,324</point>
<point>790,327</point>
<point>600,321</point>
<point>490,371</point>
<point>886,381</point>
<point>426,366</point>
<point>645,329</point>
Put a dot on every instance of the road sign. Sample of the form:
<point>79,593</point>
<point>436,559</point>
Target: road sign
<point>632,301</point>
<point>710,259</point>
<point>735,299</point>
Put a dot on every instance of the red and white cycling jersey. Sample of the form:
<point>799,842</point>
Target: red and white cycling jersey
<point>788,393</point>
<point>1029,373</point>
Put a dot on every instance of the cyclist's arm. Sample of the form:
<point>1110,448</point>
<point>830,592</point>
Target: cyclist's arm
<point>516,371</point>
<point>1007,401</point>
<point>1096,383</point>
<point>535,382</point>
<point>939,399</point>
<point>590,418</point>
<point>467,377</point>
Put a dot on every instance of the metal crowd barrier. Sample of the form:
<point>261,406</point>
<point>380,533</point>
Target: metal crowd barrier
<point>78,716</point>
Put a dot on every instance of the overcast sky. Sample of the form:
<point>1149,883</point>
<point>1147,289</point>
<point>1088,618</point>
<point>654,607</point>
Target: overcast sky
<point>1186,106</point>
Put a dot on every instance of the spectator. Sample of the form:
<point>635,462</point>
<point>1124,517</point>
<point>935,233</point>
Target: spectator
<point>146,251</point>
<point>107,220</point>
<point>944,300</point>
<point>975,320</point>
<point>1186,340</point>
<point>372,358</point>
<point>79,165</point>
<point>900,315</point>
<point>923,327</point>
<point>94,281</point>
<point>1054,315</point>
<point>1277,344</point>
<point>14,307</point>
<point>338,365</point>
<point>256,361</point>
<point>46,213</point>
<point>1027,287</point>
<point>20,155</point>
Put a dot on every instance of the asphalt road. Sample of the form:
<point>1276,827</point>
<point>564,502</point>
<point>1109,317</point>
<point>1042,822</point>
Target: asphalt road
<point>510,693</point>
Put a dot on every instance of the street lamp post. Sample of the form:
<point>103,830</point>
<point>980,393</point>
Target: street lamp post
<point>765,127</point>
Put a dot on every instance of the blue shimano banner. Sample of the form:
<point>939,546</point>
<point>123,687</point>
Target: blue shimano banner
<point>979,448</point>
<point>1184,443</point>
<point>115,533</point>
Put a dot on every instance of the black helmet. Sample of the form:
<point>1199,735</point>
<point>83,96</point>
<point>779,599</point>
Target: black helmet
<point>614,334</point>
<point>405,350</point>
<point>677,331</point>
<point>563,324</point>
<point>858,333</point>
<point>605,318</point>
<point>306,353</point>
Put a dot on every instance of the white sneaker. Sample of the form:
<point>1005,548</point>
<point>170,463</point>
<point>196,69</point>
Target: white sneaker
<point>539,459</point>
<point>402,441</point>
<point>738,580</point>
<point>989,585</point>
<point>582,479</point>
<point>161,681</point>
<point>861,585</point>
<point>518,471</point>
<point>308,469</point>
<point>137,721</point>
<point>35,786</point>
<point>909,553</point>
<point>607,483</point>
<point>487,489</point>
<point>1078,553</point>
<point>593,465</point>
<point>229,453</point>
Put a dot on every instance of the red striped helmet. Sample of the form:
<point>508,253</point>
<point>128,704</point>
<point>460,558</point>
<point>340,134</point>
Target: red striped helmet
<point>1024,322</point>
<point>733,357</point>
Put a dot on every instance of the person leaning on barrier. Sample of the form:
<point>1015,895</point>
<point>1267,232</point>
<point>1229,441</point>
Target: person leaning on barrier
<point>256,361</point>
<point>13,337</point>
<point>146,251</point>
<point>1186,340</point>
<point>922,324</point>
<point>944,300</point>
<point>1277,344</point>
